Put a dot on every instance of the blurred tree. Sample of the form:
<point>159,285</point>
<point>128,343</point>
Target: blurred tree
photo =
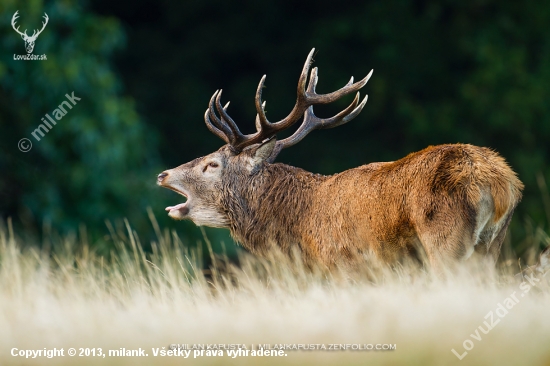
<point>95,164</point>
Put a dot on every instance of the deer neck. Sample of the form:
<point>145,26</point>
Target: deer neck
<point>272,206</point>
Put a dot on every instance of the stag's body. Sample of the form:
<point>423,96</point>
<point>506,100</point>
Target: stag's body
<point>443,203</point>
<point>449,201</point>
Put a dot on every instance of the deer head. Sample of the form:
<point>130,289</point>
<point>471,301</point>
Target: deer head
<point>29,40</point>
<point>219,184</point>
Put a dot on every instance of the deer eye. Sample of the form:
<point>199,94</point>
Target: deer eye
<point>212,164</point>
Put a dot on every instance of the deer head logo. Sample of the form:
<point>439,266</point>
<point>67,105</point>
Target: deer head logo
<point>29,40</point>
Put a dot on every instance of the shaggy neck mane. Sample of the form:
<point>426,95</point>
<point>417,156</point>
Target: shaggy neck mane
<point>270,205</point>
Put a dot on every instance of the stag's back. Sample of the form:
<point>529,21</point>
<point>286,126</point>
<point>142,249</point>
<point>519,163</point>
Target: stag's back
<point>447,200</point>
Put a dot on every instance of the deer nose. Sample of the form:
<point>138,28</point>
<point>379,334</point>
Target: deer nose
<point>161,176</point>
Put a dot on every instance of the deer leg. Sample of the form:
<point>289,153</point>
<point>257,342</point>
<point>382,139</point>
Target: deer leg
<point>492,237</point>
<point>446,244</point>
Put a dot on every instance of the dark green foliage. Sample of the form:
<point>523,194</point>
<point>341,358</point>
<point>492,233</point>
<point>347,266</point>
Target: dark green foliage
<point>95,163</point>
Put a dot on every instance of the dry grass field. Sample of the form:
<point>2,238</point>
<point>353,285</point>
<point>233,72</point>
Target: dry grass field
<point>69,297</point>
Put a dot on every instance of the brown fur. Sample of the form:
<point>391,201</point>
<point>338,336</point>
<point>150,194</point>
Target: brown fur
<point>448,202</point>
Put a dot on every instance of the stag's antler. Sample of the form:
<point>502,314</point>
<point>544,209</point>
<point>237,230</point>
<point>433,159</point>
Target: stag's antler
<point>225,128</point>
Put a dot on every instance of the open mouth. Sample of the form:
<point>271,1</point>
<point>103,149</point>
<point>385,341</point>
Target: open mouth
<point>180,209</point>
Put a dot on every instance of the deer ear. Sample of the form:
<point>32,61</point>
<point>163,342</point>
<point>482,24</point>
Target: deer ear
<point>262,152</point>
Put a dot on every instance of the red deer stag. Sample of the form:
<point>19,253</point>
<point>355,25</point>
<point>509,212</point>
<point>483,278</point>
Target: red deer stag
<point>449,201</point>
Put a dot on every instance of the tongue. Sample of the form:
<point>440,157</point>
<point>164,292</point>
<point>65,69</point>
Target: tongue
<point>177,207</point>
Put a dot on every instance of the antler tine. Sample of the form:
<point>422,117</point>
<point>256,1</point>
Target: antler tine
<point>228,120</point>
<point>215,125</point>
<point>313,81</point>
<point>257,122</point>
<point>338,119</point>
<point>213,128</point>
<point>260,116</point>
<point>350,87</point>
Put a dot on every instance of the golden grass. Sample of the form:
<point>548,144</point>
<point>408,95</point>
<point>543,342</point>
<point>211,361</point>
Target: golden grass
<point>71,297</point>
